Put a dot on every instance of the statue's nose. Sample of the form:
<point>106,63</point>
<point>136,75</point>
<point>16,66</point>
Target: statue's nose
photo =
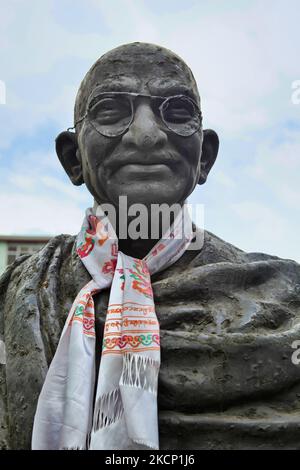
<point>145,131</point>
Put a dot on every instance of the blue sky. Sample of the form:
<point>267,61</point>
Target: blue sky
<point>245,57</point>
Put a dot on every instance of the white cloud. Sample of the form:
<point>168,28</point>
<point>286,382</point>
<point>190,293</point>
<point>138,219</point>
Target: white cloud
<point>263,229</point>
<point>36,197</point>
<point>27,214</point>
<point>63,189</point>
<point>22,182</point>
<point>224,179</point>
<point>277,167</point>
<point>261,221</point>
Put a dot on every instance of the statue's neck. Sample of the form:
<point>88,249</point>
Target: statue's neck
<point>141,246</point>
<point>136,248</point>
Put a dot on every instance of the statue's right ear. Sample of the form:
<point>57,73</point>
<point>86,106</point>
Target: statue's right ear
<point>69,156</point>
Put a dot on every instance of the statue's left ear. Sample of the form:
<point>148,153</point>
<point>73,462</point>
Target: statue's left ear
<point>210,147</point>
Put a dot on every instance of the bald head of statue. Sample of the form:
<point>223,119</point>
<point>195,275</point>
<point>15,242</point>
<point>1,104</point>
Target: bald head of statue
<point>138,129</point>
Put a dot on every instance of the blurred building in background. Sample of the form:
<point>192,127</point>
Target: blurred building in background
<point>12,246</point>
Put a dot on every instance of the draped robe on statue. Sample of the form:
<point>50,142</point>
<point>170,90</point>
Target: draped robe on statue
<point>228,320</point>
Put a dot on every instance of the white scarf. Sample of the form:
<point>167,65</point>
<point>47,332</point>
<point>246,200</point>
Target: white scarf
<point>124,415</point>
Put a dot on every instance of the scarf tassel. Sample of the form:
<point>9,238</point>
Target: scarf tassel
<point>140,372</point>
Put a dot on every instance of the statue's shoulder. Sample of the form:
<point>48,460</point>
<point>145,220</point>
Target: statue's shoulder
<point>218,259</point>
<point>30,277</point>
<point>235,269</point>
<point>25,268</point>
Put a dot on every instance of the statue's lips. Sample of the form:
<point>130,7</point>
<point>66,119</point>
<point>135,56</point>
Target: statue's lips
<point>144,166</point>
<point>145,170</point>
<point>148,165</point>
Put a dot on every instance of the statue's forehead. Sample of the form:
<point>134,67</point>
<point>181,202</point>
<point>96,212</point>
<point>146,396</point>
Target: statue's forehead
<point>140,61</point>
<point>140,66</point>
<point>163,85</point>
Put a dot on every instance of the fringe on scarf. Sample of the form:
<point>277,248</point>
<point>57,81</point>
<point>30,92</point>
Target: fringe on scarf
<point>85,447</point>
<point>73,448</point>
<point>108,409</point>
<point>146,444</point>
<point>140,372</point>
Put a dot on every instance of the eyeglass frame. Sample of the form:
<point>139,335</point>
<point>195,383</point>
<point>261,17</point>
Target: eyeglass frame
<point>135,95</point>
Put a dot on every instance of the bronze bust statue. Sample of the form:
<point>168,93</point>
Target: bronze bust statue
<point>227,318</point>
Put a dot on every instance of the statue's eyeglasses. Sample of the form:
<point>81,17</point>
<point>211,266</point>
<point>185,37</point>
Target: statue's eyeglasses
<point>112,113</point>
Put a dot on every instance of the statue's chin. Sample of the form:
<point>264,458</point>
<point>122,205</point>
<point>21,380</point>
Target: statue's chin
<point>144,184</point>
<point>147,193</point>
